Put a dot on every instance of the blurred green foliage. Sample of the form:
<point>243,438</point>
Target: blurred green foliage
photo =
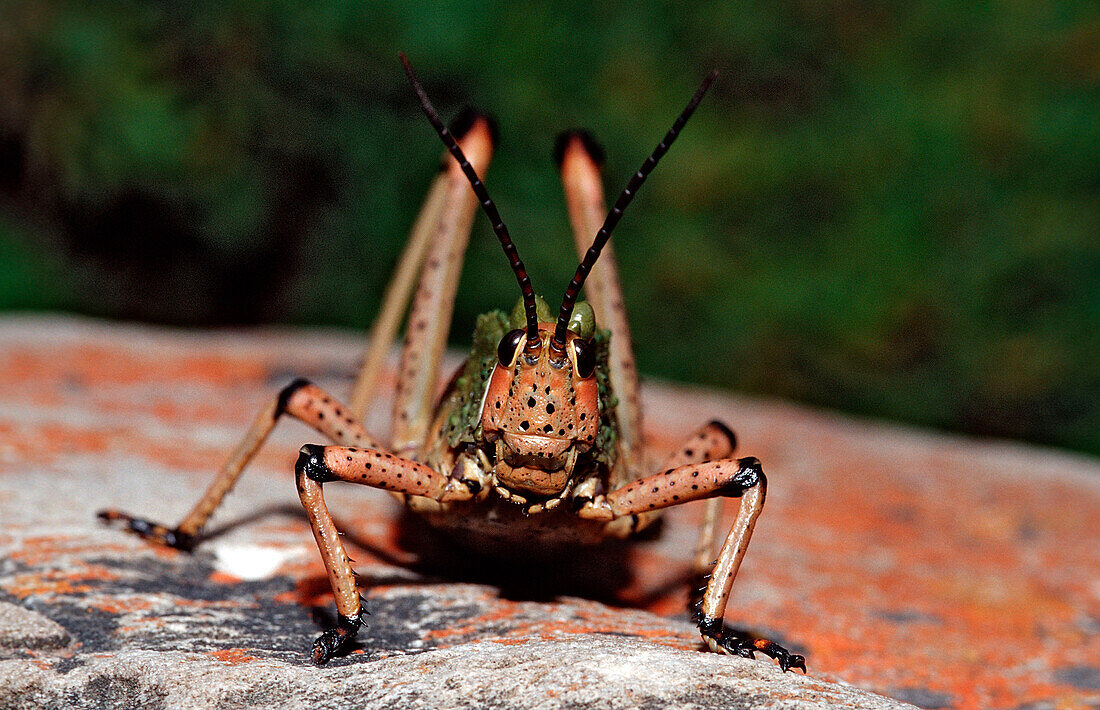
<point>888,208</point>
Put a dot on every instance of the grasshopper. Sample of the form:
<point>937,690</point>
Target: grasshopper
<point>536,444</point>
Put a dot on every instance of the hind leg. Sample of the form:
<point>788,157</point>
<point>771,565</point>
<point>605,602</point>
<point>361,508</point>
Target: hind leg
<point>300,399</point>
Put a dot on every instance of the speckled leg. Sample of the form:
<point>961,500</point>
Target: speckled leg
<point>300,399</point>
<point>383,330</point>
<point>318,465</point>
<point>711,609</point>
<point>735,478</point>
<point>713,441</point>
<point>443,220</point>
<point>579,159</point>
<point>433,303</point>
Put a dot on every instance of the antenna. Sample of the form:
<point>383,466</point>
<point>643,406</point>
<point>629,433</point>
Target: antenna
<point>486,204</point>
<point>616,213</point>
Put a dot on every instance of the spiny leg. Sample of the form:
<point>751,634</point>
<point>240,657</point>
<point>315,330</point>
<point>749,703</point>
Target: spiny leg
<point>711,609</point>
<point>301,400</point>
<point>318,465</point>
<point>702,559</point>
<point>736,478</point>
<point>430,316</point>
<point>580,161</point>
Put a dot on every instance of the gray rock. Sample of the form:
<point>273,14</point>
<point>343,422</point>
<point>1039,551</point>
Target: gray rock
<point>95,415</point>
<point>26,629</point>
<point>581,672</point>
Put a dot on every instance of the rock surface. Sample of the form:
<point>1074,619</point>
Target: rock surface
<point>24,629</point>
<point>594,671</point>
<point>941,571</point>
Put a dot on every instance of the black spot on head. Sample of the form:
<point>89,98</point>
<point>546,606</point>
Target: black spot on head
<point>498,404</point>
<point>549,408</point>
<point>531,402</point>
<point>583,416</point>
<point>524,424</point>
<point>548,428</point>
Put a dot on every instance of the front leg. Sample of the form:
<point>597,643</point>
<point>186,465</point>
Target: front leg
<point>318,465</point>
<point>734,478</point>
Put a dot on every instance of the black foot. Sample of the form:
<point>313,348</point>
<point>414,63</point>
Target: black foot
<point>333,641</point>
<point>727,641</point>
<point>155,532</point>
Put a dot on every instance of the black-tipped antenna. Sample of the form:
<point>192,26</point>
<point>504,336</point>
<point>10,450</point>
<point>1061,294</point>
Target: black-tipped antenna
<point>570,299</point>
<point>486,204</point>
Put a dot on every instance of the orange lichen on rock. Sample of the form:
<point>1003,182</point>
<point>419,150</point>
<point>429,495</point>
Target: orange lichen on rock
<point>897,560</point>
<point>234,656</point>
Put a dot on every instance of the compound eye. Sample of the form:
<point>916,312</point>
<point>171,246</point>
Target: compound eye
<point>506,351</point>
<point>586,357</point>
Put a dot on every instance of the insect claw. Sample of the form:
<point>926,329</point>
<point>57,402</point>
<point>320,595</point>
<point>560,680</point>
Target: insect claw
<point>332,641</point>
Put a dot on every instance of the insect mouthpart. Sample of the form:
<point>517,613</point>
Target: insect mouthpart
<point>542,465</point>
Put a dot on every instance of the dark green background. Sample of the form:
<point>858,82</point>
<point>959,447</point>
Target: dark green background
<point>887,208</point>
